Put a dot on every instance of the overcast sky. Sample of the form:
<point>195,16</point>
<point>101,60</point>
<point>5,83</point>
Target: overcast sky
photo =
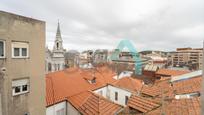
<point>101,24</point>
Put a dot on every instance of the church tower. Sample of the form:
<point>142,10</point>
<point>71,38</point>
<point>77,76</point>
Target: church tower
<point>58,59</point>
<point>58,46</point>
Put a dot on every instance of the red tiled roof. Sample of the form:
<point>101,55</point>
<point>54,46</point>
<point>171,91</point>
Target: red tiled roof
<point>151,91</point>
<point>78,99</point>
<point>188,86</point>
<point>184,107</point>
<point>62,84</point>
<point>190,106</point>
<point>141,104</point>
<point>89,103</point>
<point>170,72</point>
<point>129,83</point>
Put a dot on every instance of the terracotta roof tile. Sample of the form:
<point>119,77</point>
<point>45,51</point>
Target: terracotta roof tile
<point>129,83</point>
<point>62,84</point>
<point>141,104</point>
<point>190,106</point>
<point>152,91</point>
<point>89,103</point>
<point>170,72</point>
<point>188,86</point>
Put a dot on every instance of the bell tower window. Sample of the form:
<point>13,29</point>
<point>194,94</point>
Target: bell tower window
<point>57,45</point>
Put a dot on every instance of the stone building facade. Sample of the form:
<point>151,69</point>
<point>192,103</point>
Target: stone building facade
<point>22,73</point>
<point>55,59</point>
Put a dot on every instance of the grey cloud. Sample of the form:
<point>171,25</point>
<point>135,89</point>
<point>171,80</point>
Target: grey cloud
<point>158,24</point>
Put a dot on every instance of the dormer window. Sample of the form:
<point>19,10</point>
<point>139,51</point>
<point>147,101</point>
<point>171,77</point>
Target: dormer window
<point>93,80</point>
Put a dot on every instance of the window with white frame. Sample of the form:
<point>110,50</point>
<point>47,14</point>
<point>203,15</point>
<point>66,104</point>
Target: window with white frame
<point>2,49</point>
<point>20,50</point>
<point>60,111</point>
<point>20,86</point>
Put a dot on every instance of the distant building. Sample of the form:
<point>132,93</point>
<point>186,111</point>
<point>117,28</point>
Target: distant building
<point>71,58</point>
<point>55,59</point>
<point>126,61</point>
<point>147,52</point>
<point>156,58</point>
<point>86,57</point>
<point>22,73</point>
<point>100,56</point>
<point>190,57</point>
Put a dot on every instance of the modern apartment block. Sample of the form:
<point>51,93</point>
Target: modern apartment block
<point>190,57</point>
<point>22,66</point>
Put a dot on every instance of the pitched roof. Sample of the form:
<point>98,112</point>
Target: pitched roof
<point>188,86</point>
<point>89,103</point>
<point>129,83</point>
<point>186,76</point>
<point>170,72</point>
<point>141,104</point>
<point>62,84</point>
<point>190,106</point>
<point>151,91</point>
<point>184,106</point>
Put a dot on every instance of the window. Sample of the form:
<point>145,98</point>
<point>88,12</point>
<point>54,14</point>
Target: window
<point>17,89</point>
<point>58,66</point>
<point>57,45</point>
<point>60,112</point>
<point>49,67</point>
<point>24,87</point>
<point>16,51</point>
<point>20,86</point>
<point>2,49</point>
<point>20,50</point>
<point>116,96</point>
<point>24,51</point>
<point>126,100</point>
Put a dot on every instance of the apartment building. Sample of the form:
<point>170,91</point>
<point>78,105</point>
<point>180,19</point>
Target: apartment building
<point>100,56</point>
<point>22,66</point>
<point>190,57</point>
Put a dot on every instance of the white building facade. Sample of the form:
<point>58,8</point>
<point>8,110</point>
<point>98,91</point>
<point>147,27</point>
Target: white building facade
<point>55,59</point>
<point>115,94</point>
<point>57,109</point>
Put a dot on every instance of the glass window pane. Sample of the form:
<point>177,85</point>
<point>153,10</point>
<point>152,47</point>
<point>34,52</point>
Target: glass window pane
<point>16,52</point>
<point>126,100</point>
<point>17,89</point>
<point>116,96</point>
<point>24,51</point>
<point>1,48</point>
<point>25,87</point>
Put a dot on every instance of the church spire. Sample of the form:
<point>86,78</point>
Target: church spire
<point>58,46</point>
<point>58,34</point>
